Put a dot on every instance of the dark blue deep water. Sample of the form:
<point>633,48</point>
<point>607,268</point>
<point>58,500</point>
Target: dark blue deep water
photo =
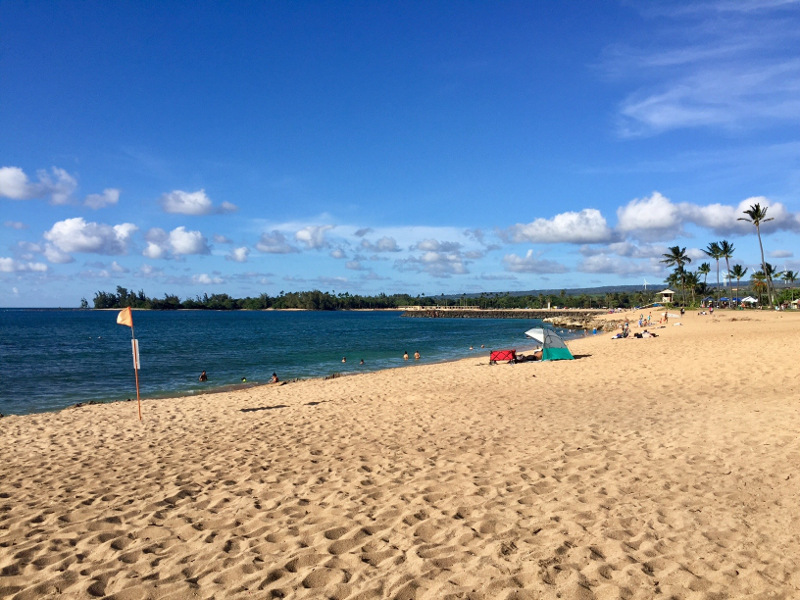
<point>50,359</point>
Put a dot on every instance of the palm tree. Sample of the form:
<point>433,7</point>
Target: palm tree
<point>704,270</point>
<point>677,257</point>
<point>790,277</point>
<point>757,215</point>
<point>737,272</point>
<point>772,272</point>
<point>759,281</point>
<point>692,280</point>
<point>714,251</point>
<point>726,250</point>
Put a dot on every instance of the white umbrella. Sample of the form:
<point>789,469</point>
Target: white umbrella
<point>537,333</point>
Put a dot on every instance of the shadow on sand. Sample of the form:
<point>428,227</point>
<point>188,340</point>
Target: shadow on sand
<point>265,408</point>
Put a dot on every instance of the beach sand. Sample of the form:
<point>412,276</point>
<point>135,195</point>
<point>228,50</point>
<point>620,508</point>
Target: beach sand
<point>646,468</point>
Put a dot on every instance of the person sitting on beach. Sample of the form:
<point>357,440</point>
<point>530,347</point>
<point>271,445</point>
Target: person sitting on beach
<point>203,376</point>
<point>274,378</point>
<point>537,355</point>
<point>416,355</point>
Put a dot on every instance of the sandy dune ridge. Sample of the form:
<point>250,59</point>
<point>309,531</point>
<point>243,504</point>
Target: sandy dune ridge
<point>646,468</point>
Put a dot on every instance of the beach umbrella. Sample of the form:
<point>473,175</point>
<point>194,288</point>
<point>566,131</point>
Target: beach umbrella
<point>553,346</point>
<point>536,333</point>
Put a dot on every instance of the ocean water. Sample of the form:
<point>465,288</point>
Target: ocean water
<point>51,359</point>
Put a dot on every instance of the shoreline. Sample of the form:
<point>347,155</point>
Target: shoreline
<point>646,468</point>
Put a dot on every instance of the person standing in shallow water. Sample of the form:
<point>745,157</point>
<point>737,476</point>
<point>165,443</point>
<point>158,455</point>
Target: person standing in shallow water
<point>405,355</point>
<point>203,376</point>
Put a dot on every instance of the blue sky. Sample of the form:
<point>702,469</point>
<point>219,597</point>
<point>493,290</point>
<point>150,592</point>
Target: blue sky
<point>367,147</point>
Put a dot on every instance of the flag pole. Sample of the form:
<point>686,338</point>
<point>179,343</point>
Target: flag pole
<point>136,369</point>
<point>125,317</point>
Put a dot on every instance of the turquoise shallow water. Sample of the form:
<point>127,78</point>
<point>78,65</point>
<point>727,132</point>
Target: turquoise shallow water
<point>50,359</point>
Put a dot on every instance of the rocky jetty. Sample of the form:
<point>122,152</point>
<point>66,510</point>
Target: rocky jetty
<point>568,318</point>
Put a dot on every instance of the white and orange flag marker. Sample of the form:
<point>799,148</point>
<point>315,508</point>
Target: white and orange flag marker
<point>125,317</point>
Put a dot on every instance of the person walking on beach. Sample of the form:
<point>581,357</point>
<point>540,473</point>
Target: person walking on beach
<point>203,376</point>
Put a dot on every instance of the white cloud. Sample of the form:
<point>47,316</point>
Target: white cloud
<point>206,279</point>
<point>178,241</point>
<point>605,263</point>
<point>149,271</point>
<point>154,251</point>
<point>431,245</point>
<point>313,236</point>
<point>438,264</point>
<point>626,249</point>
<point>338,253</point>
<point>724,220</point>
<point>14,225</point>
<point>274,242</point>
<point>107,198</point>
<point>354,265</point>
<point>652,218</point>
<point>781,254</point>
<point>586,226</point>
<point>188,242</point>
<point>530,263</point>
<point>221,239</point>
<point>118,268</point>
<point>192,203</point>
<point>238,254</point>
<point>9,265</point>
<point>56,256</point>
<point>384,244</point>
<point>14,184</point>
<point>76,235</point>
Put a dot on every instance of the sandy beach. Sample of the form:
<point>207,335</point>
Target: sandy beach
<point>645,468</point>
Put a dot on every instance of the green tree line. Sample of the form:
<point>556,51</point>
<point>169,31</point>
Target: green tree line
<point>318,300</point>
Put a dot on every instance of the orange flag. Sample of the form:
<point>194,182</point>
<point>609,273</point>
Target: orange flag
<point>125,317</point>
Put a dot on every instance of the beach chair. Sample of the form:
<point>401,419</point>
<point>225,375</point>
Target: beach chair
<point>500,355</point>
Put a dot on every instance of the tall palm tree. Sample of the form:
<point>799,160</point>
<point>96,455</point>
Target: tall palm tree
<point>790,277</point>
<point>758,215</point>
<point>676,257</point>
<point>714,251</point>
<point>737,272</point>
<point>726,250</point>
